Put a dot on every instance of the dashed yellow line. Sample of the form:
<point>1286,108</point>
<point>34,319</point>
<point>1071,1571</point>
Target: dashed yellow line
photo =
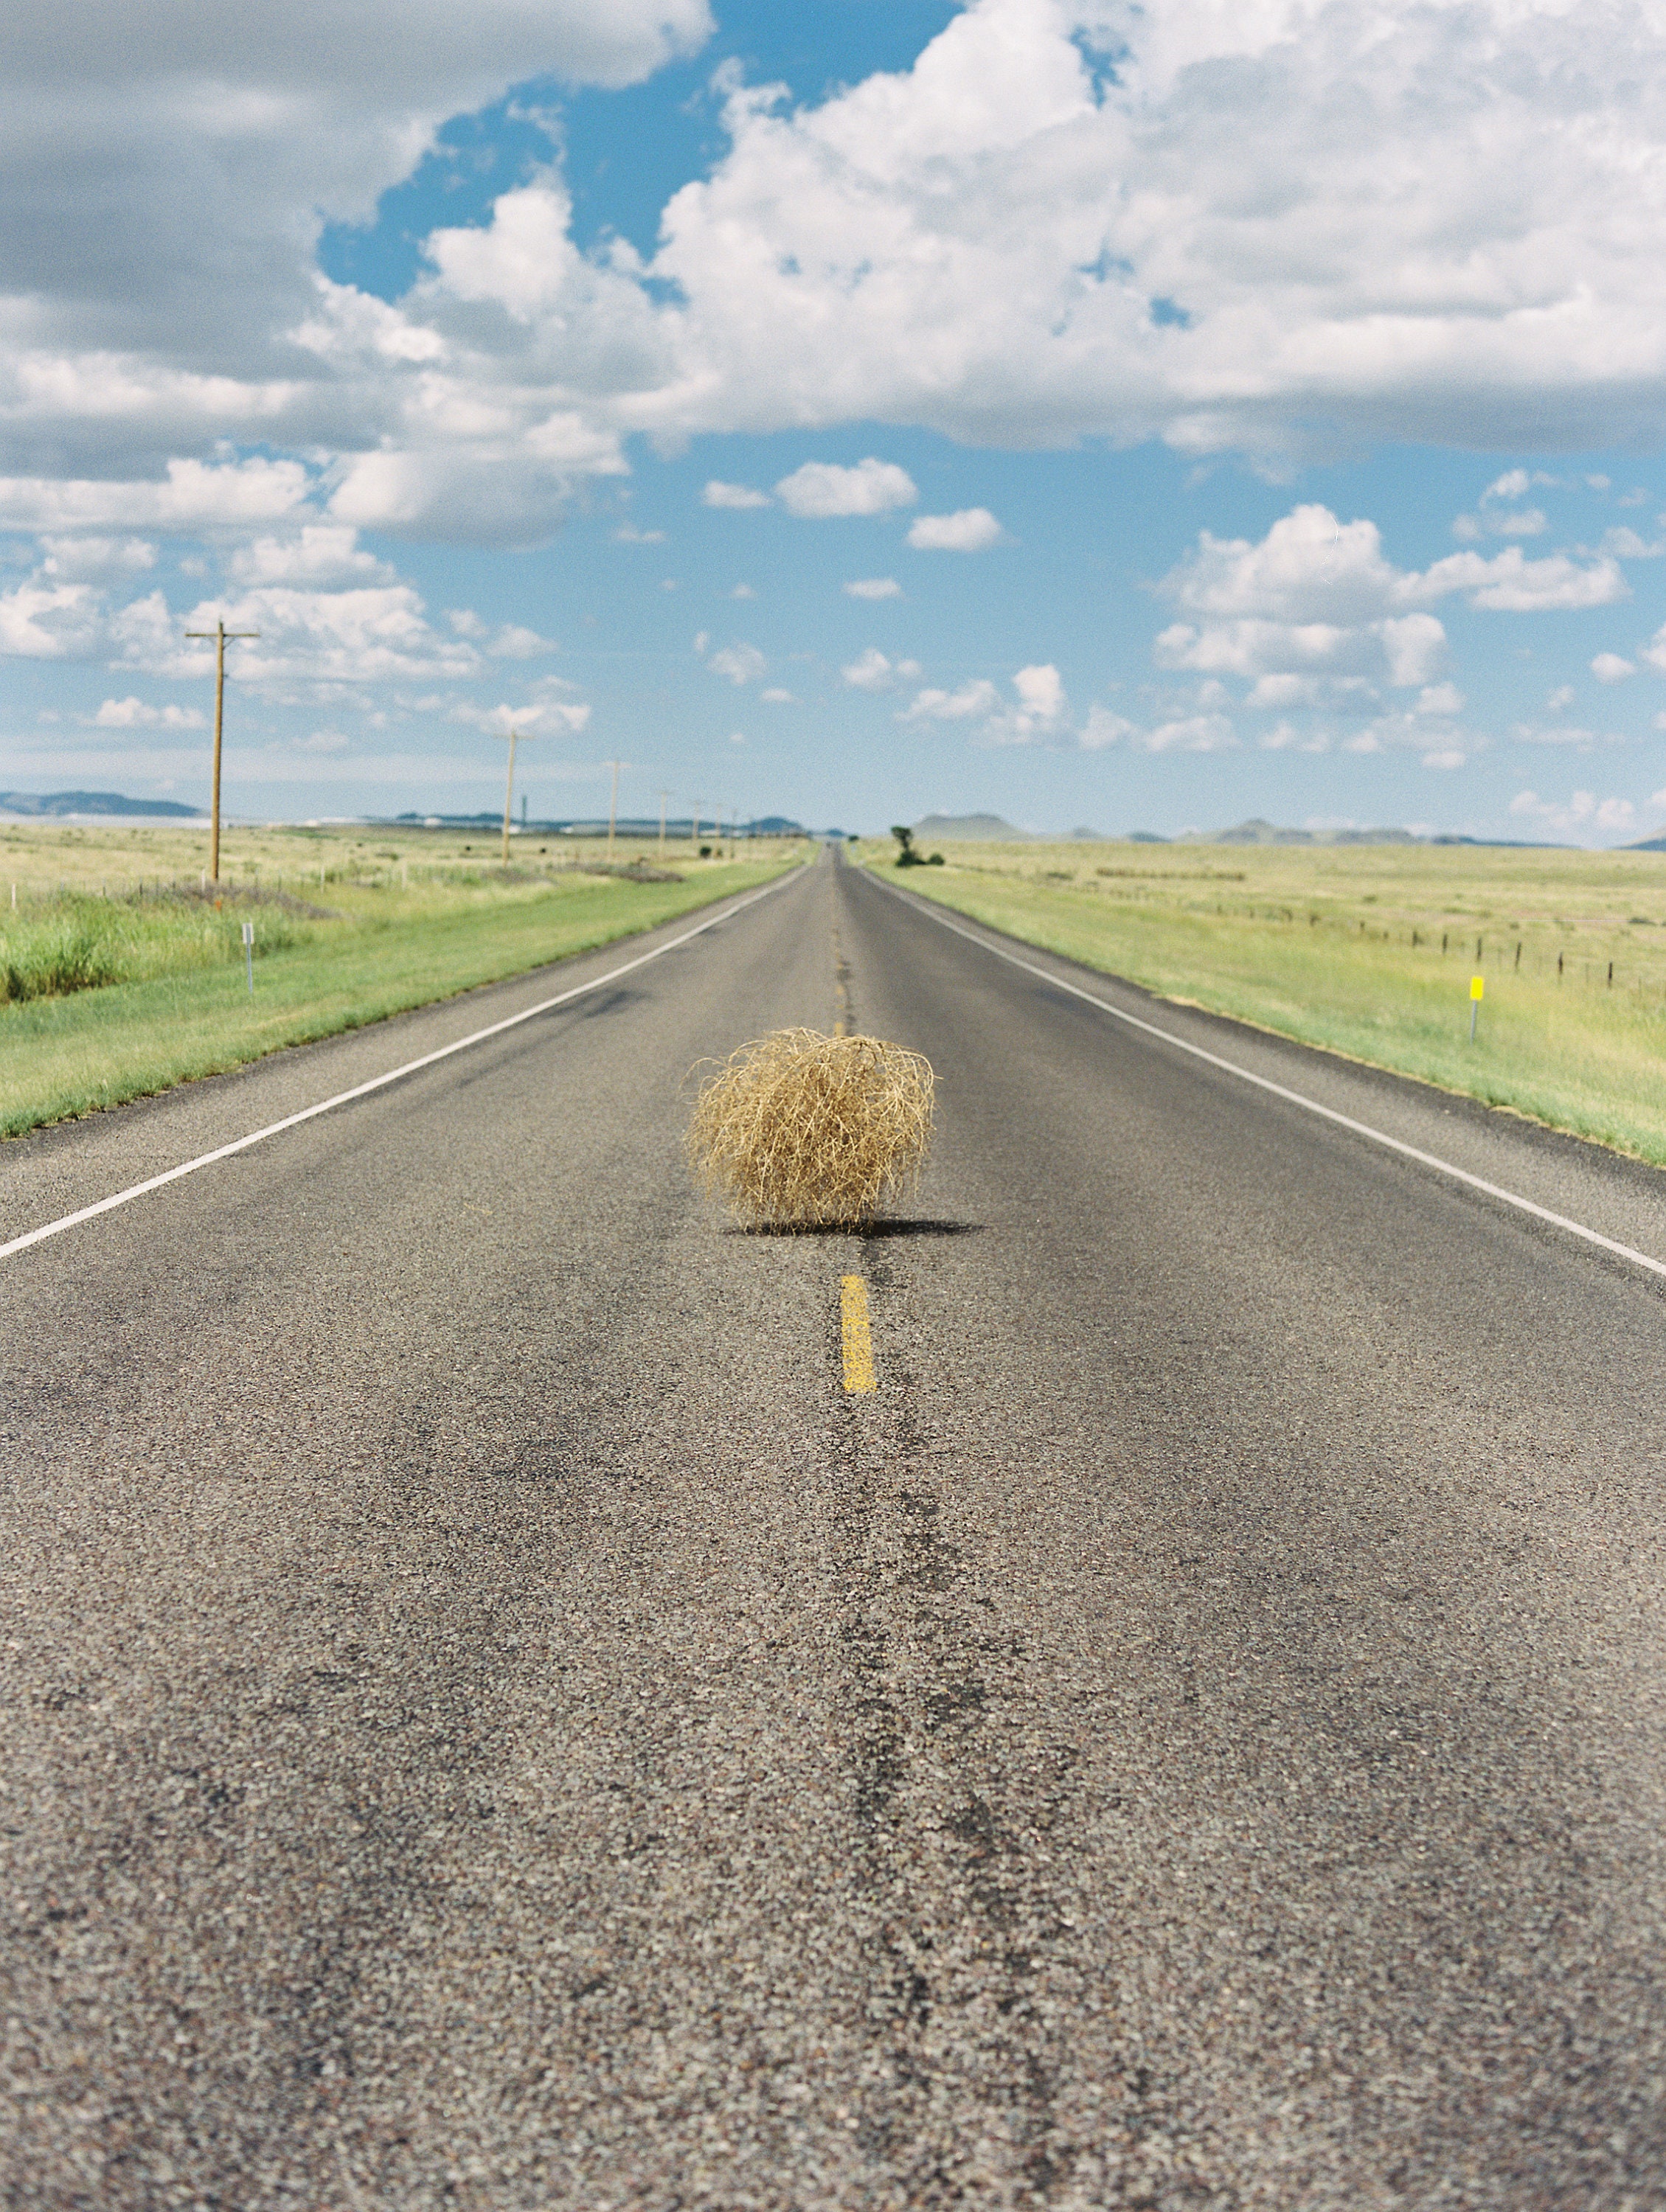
<point>859,1376</point>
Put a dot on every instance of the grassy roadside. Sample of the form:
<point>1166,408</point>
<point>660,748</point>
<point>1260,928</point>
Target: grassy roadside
<point>1368,950</point>
<point>389,940</point>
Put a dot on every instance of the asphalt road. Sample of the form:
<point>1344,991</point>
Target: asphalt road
<point>490,1723</point>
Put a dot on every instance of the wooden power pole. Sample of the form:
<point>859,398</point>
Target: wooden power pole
<point>219,634</point>
<point>612,809</point>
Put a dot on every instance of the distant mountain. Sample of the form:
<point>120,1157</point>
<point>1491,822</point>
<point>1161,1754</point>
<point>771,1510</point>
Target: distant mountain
<point>1256,831</point>
<point>1648,844</point>
<point>1085,837</point>
<point>972,829</point>
<point>55,804</point>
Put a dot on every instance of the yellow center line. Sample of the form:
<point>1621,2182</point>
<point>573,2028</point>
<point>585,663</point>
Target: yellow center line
<point>859,1376</point>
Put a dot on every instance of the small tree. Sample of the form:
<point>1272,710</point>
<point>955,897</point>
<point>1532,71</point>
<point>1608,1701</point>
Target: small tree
<point>907,858</point>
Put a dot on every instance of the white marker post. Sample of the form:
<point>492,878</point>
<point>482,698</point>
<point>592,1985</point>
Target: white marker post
<point>248,952</point>
<point>1477,985</point>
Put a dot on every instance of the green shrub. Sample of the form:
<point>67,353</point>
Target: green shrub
<point>79,943</point>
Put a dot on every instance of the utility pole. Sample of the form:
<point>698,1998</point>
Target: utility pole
<point>612,808</point>
<point>514,738</point>
<point>219,634</point>
<point>664,796</point>
<point>694,833</point>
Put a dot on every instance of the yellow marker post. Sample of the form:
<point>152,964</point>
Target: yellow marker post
<point>1477,987</point>
<point>860,1380</point>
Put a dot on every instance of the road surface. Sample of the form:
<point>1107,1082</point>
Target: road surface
<point>490,1722</point>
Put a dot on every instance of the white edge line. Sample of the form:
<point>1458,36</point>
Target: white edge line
<point>1293,1097</point>
<point>378,1082</point>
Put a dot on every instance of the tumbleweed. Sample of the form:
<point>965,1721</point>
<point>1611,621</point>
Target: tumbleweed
<point>797,1130</point>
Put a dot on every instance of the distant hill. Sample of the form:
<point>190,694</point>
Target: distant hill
<point>979,829</point>
<point>55,804</point>
<point>1255,831</point>
<point>1648,844</point>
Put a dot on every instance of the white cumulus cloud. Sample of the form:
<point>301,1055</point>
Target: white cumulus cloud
<point>1511,584</point>
<point>131,713</point>
<point>1526,522</point>
<point>874,587</point>
<point>316,553</point>
<point>978,697</point>
<point>515,641</point>
<point>1189,734</point>
<point>821,489</point>
<point>545,713</point>
<point>1625,545</point>
<point>1612,668</point>
<point>970,530</point>
<point>96,559</point>
<point>1582,815</point>
<point>52,622</point>
<point>1316,602</point>
<point>740,664</point>
<point>189,495</point>
<point>1038,713</point>
<point>1230,228</point>
<point>1514,483</point>
<point>874,671</point>
<point>370,634</point>
<point>719,494</point>
<point>1312,567</point>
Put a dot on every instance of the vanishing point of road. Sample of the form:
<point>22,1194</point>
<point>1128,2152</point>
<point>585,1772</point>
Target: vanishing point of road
<point>490,1721</point>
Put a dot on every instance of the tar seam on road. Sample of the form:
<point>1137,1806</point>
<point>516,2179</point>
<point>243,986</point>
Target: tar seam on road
<point>377,1082</point>
<point>840,988</point>
<point>860,1380</point>
<point>1293,1097</point>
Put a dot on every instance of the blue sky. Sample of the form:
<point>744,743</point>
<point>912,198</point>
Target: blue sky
<point>1098,417</point>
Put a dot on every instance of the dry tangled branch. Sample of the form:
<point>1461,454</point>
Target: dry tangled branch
<point>798,1130</point>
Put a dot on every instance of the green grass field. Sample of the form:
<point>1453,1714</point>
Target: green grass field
<point>1369,949</point>
<point>119,977</point>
